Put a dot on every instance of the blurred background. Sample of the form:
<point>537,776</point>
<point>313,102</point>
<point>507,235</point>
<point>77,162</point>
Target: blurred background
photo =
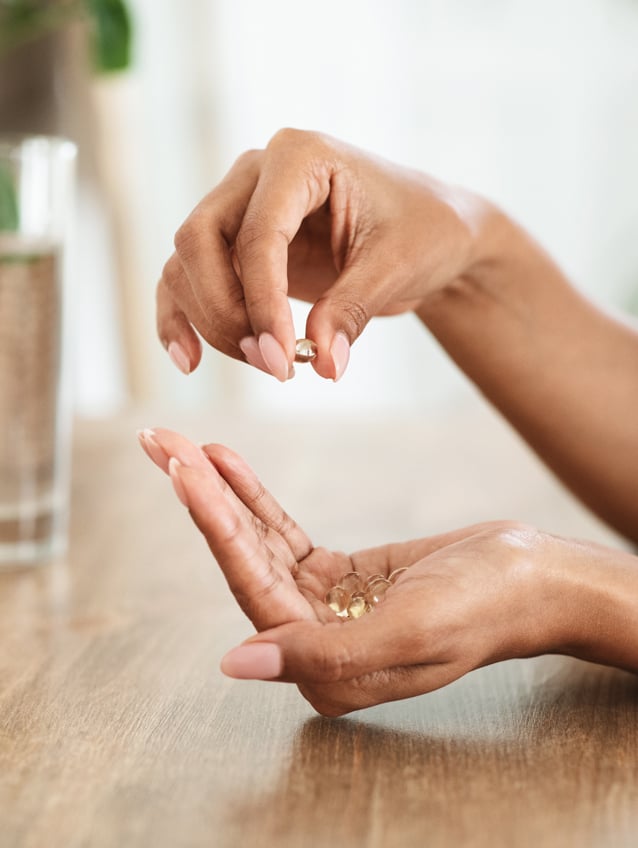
<point>532,104</point>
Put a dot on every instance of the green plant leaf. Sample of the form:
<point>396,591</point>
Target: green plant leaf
<point>9,217</point>
<point>112,33</point>
<point>22,21</point>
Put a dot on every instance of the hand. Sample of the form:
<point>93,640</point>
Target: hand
<point>469,598</point>
<point>315,219</point>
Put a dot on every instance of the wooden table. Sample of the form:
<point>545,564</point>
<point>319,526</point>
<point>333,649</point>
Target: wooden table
<point>117,729</point>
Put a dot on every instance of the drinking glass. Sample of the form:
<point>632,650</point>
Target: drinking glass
<point>36,200</point>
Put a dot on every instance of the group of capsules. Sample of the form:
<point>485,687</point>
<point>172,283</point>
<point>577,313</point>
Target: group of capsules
<point>354,595</point>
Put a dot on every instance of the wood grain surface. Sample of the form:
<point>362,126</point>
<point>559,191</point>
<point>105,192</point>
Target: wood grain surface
<point>117,728</point>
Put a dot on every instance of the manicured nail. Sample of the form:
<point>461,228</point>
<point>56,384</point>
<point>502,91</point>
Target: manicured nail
<point>250,348</point>
<point>340,353</point>
<point>254,661</point>
<point>142,441</point>
<point>274,356</point>
<point>179,357</point>
<point>153,449</point>
<point>173,469</point>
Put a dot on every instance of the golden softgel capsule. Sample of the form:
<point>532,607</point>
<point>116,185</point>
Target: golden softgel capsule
<point>305,350</point>
<point>338,599</point>
<point>351,582</point>
<point>375,590</point>
<point>358,606</point>
<point>396,574</point>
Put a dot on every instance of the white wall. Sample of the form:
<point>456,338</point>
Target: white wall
<point>533,104</point>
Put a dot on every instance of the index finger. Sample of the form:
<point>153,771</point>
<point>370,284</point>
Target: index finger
<point>294,182</point>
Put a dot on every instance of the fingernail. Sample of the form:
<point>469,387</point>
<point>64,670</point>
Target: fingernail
<point>274,356</point>
<point>179,357</point>
<point>340,353</point>
<point>250,348</point>
<point>142,441</point>
<point>153,449</point>
<point>254,661</point>
<point>173,469</point>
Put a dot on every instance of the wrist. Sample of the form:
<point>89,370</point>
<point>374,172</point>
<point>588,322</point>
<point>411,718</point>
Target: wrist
<point>496,258</point>
<point>595,603</point>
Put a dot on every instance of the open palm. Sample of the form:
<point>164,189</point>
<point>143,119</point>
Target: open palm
<point>469,597</point>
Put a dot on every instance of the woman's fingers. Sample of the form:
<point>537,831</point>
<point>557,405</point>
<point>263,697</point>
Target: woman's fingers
<point>256,557</point>
<point>294,182</point>
<point>247,486</point>
<point>175,330</point>
<point>257,576</point>
<point>387,655</point>
<point>359,237</point>
<point>160,445</point>
<point>391,635</point>
<point>236,474</point>
<point>200,280</point>
<point>231,278</point>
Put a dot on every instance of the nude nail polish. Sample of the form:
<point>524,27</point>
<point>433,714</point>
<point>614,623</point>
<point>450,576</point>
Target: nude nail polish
<point>253,661</point>
<point>173,469</point>
<point>153,450</point>
<point>340,353</point>
<point>142,441</point>
<point>179,357</point>
<point>274,356</point>
<point>249,346</point>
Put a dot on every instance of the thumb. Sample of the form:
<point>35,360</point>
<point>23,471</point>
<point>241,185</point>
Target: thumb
<point>312,652</point>
<point>339,317</point>
<point>365,288</point>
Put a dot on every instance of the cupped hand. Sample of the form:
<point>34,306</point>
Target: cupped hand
<point>468,598</point>
<point>315,219</point>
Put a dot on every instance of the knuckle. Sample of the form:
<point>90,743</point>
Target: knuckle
<point>283,523</point>
<point>248,158</point>
<point>172,269</point>
<point>190,237</point>
<point>171,283</point>
<point>183,240</point>
<point>261,296</point>
<point>224,321</point>
<point>254,229</point>
<point>515,539</point>
<point>354,316</point>
<point>253,602</point>
<point>170,291</point>
<point>515,531</point>
<point>232,532</point>
<point>330,664</point>
<point>289,137</point>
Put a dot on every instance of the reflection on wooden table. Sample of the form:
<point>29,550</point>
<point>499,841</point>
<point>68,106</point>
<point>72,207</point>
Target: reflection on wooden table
<point>117,729</point>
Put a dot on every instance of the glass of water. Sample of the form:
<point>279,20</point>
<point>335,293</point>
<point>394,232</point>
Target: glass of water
<point>36,199</point>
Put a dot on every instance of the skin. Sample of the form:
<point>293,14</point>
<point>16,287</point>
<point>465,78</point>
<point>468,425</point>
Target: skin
<point>470,597</point>
<point>357,237</point>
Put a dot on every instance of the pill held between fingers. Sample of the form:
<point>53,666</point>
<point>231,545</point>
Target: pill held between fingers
<point>305,350</point>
